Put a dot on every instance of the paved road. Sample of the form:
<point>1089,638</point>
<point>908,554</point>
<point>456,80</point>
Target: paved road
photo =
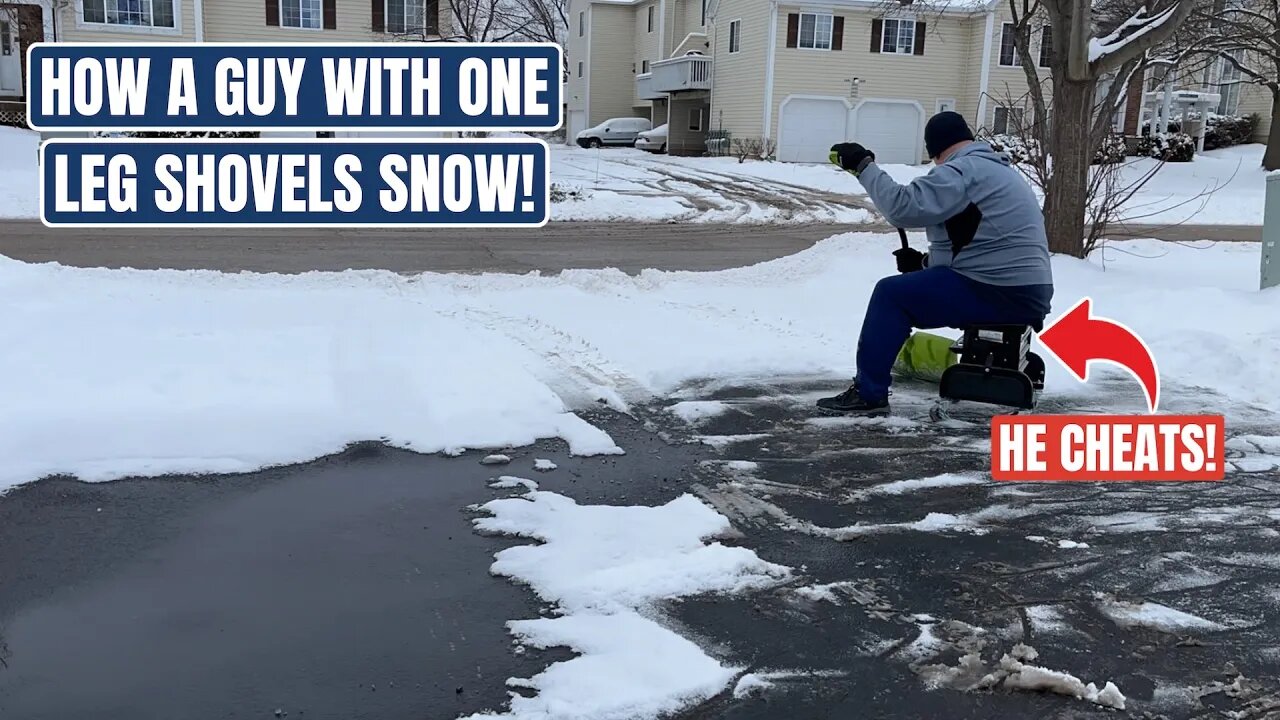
<point>627,246</point>
<point>353,588</point>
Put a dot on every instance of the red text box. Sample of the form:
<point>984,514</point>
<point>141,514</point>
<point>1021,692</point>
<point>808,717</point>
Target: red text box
<point>1107,447</point>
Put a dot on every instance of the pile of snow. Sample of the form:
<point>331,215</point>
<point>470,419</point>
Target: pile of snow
<point>605,568</point>
<point>125,372</point>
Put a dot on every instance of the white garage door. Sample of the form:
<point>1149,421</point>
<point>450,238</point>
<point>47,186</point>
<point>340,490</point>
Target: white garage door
<point>892,130</point>
<point>810,127</point>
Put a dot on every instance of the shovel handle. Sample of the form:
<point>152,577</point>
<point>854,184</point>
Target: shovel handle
<point>903,234</point>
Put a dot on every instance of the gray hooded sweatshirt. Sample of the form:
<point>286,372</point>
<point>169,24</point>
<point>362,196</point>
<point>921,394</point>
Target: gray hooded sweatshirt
<point>1008,245</point>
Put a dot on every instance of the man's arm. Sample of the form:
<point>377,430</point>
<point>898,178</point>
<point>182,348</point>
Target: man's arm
<point>928,200</point>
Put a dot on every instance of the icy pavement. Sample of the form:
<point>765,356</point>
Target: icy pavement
<point>911,569</point>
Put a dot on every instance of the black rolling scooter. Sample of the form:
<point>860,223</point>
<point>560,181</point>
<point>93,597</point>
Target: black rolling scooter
<point>996,367</point>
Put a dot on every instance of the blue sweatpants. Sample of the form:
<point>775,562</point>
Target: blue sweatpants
<point>934,298</point>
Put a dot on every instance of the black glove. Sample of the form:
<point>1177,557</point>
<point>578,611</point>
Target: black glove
<point>851,157</point>
<point>909,260</point>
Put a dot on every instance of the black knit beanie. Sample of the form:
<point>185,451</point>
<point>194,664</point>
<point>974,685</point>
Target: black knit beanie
<point>944,130</point>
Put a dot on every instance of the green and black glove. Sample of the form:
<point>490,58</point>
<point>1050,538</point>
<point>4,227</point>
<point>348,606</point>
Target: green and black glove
<point>851,157</point>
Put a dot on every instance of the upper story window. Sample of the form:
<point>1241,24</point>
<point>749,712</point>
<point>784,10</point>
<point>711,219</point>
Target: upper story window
<point>704,13</point>
<point>735,36</point>
<point>650,9</point>
<point>815,31</point>
<point>899,36</point>
<point>1046,45</point>
<point>302,14</point>
<point>582,23</point>
<point>1008,48</point>
<point>406,16</point>
<point>133,13</point>
<point>644,67</point>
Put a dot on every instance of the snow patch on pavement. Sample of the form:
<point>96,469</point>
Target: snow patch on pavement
<point>1014,671</point>
<point>695,411</point>
<point>511,481</point>
<point>1155,616</point>
<point>902,487</point>
<point>606,568</point>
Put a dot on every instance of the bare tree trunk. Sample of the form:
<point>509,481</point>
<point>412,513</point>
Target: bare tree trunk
<point>1070,149</point>
<point>1271,158</point>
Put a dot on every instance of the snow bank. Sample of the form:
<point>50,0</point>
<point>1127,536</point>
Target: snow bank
<point>19,181</point>
<point>604,568</point>
<point>111,373</point>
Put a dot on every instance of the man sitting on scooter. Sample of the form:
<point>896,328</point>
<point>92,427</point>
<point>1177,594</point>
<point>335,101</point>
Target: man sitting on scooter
<point>988,260</point>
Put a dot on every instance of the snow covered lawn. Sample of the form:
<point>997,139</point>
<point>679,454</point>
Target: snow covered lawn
<point>122,372</point>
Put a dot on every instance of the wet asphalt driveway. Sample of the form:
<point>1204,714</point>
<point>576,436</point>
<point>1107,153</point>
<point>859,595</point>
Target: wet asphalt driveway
<point>354,588</point>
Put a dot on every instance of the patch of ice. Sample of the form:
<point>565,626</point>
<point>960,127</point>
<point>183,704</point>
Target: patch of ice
<point>892,423</point>
<point>901,487</point>
<point>1155,616</point>
<point>824,592</point>
<point>741,466</point>
<point>723,441</point>
<point>605,567</point>
<point>1046,619</point>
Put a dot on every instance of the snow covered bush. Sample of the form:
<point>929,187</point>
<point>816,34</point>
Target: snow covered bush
<point>1019,149</point>
<point>1169,147</point>
<point>1226,130</point>
<point>1112,151</point>
<point>561,193</point>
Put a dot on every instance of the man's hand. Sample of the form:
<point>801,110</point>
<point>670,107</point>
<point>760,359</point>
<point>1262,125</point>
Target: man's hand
<point>851,157</point>
<point>909,260</point>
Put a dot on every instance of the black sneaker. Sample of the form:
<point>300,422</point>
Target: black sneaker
<point>850,402</point>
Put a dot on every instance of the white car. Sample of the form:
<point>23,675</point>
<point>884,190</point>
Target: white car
<point>614,131</point>
<point>655,140</point>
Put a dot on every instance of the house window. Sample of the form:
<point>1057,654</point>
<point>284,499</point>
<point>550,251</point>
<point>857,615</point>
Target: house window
<point>301,14</point>
<point>735,36</point>
<point>704,13</point>
<point>650,18</point>
<point>695,119</point>
<point>644,67</point>
<point>1227,75</point>
<point>1008,49</point>
<point>137,13</point>
<point>6,38</point>
<point>404,16</point>
<point>582,24</point>
<point>579,68</point>
<point>1046,45</point>
<point>1007,120</point>
<point>899,36</point>
<point>815,31</point>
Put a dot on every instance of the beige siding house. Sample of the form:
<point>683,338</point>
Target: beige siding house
<point>803,75</point>
<point>800,76</point>
<point>120,21</point>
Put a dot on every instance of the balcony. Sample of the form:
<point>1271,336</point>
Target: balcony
<point>690,72</point>
<point>645,89</point>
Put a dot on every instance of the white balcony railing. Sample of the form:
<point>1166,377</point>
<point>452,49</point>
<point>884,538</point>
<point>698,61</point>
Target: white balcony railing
<point>690,72</point>
<point>645,89</point>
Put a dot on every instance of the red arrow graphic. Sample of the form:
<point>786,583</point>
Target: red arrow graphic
<point>1077,339</point>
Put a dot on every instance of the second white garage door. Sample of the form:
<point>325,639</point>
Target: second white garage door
<point>810,126</point>
<point>892,130</point>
